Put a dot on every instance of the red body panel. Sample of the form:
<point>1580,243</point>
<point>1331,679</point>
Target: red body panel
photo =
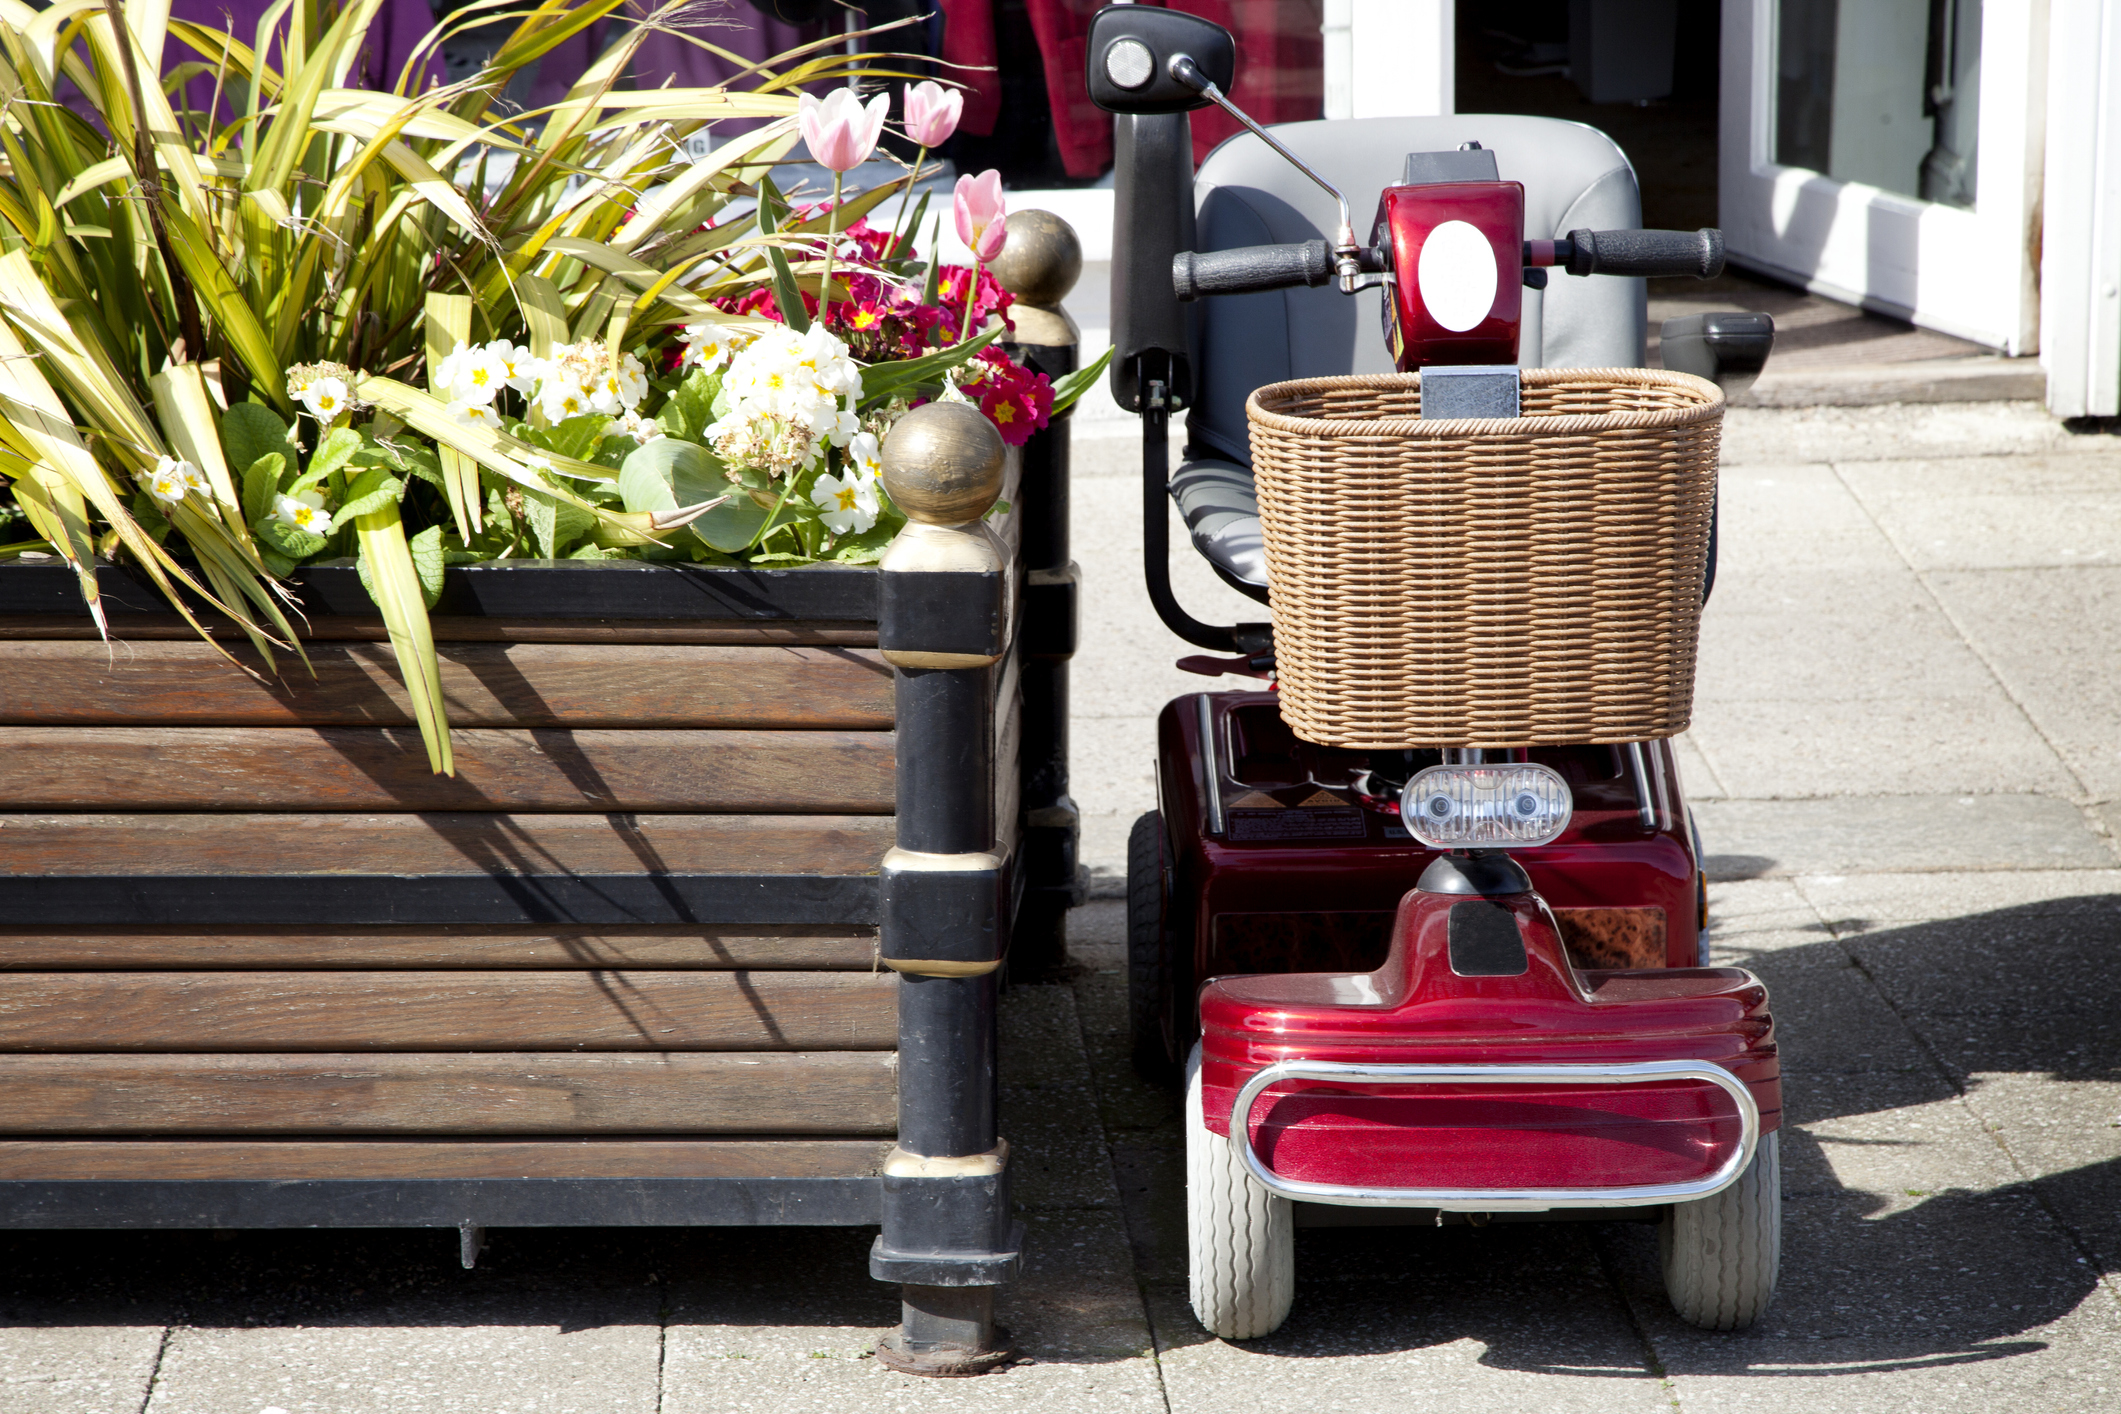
<point>1406,217</point>
<point>1327,902</point>
<point>1416,1008</point>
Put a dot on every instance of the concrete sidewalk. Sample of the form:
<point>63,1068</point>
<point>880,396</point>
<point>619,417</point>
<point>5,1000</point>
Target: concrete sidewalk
<point>1906,767</point>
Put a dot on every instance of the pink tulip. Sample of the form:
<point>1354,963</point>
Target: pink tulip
<point>980,213</point>
<point>932,112</point>
<point>842,132</point>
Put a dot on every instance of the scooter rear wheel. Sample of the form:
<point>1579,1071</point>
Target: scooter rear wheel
<point>1723,1253</point>
<point>1240,1239</point>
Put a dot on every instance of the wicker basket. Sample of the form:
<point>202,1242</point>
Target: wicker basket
<point>1495,582</point>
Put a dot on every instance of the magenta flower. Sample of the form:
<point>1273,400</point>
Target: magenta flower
<point>932,112</point>
<point>840,130</point>
<point>980,213</point>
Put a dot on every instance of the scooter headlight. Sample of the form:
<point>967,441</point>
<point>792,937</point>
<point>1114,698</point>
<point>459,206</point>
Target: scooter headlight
<point>1486,807</point>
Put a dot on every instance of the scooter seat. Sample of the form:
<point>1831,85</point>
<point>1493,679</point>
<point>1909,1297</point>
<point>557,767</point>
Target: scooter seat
<point>1221,510</point>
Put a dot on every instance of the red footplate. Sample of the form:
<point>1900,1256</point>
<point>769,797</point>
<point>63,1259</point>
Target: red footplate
<point>1418,1010</point>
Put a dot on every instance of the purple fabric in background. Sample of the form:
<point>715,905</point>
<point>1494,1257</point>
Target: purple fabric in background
<point>396,30</point>
<point>667,60</point>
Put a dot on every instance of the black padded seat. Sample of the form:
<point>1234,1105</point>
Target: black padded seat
<point>1246,194</point>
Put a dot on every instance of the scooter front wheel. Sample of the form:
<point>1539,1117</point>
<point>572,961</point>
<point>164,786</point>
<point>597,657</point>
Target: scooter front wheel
<point>1723,1253</point>
<point>1240,1239</point>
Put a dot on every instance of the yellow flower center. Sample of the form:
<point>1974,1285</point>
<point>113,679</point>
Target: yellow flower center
<point>1004,412</point>
<point>845,496</point>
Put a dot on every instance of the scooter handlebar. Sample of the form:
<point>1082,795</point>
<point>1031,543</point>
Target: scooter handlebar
<point>1250,269</point>
<point>1651,253</point>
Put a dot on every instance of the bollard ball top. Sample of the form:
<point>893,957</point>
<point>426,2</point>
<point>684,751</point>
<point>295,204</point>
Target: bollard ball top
<point>943,463</point>
<point>1041,260</point>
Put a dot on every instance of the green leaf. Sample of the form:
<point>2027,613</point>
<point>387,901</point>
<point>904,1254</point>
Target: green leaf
<point>691,406</point>
<point>935,262</point>
<point>371,491</point>
<point>290,542</point>
<point>335,453</point>
<point>577,437</point>
<point>150,517</point>
<point>250,431</point>
<point>428,562</point>
<point>773,211</point>
<point>667,473</point>
<point>868,547</point>
<point>881,381</point>
<point>554,525</point>
<point>261,483</point>
<point>1072,386</point>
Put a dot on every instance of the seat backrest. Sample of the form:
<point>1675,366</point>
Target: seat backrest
<point>1574,178</point>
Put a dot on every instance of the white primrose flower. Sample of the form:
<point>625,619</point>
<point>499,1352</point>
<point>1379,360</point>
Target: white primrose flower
<point>303,511</point>
<point>785,395</point>
<point>518,368</point>
<point>482,377</point>
<point>561,398</point>
<point>171,480</point>
<point>472,412</point>
<point>709,346</point>
<point>630,423</point>
<point>865,457</point>
<point>326,399</point>
<point>848,505</point>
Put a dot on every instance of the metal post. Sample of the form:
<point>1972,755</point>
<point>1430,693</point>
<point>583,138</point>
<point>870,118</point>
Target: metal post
<point>1039,265</point>
<point>948,1236</point>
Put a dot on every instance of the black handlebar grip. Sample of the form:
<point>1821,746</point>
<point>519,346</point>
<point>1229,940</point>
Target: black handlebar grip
<point>1250,269</point>
<point>1652,253</point>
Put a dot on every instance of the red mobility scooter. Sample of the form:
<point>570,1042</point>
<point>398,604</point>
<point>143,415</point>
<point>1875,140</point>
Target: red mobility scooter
<point>1420,922</point>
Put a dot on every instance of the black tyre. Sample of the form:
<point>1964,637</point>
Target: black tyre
<point>1149,970</point>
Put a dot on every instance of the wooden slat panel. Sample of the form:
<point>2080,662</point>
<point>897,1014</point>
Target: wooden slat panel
<point>440,842</point>
<point>360,768</point>
<point>295,1160</point>
<point>205,871</point>
<point>448,1011</point>
<point>484,685</point>
<point>311,845</point>
<point>448,628</point>
<point>472,947</point>
<point>831,1093</point>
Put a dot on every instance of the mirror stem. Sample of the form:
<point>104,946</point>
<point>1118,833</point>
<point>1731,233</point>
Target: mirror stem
<point>1347,256</point>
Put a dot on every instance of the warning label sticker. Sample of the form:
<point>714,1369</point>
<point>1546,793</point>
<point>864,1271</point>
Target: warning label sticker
<point>1281,826</point>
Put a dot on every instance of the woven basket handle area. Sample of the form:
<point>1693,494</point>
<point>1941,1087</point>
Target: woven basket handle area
<point>1558,402</point>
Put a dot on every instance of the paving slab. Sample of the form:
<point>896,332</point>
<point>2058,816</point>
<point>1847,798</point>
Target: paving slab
<point>1751,839</point>
<point>1861,903</point>
<point>2061,674</point>
<point>1962,1301</point>
<point>1807,746</point>
<point>1505,1318</point>
<point>1977,513</point>
<point>500,1352</point>
<point>1049,1109</point>
<point>75,1362</point>
<point>807,1340</point>
<point>1896,433</point>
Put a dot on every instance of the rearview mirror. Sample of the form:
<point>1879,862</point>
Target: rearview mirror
<point>1129,58</point>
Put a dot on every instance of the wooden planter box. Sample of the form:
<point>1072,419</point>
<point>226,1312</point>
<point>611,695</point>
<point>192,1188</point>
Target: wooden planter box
<point>707,929</point>
<point>266,970</point>
<point>258,952</point>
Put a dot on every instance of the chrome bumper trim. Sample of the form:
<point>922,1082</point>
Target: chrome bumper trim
<point>1495,1200</point>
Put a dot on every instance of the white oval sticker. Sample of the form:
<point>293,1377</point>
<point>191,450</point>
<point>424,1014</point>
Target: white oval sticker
<point>1457,275</point>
